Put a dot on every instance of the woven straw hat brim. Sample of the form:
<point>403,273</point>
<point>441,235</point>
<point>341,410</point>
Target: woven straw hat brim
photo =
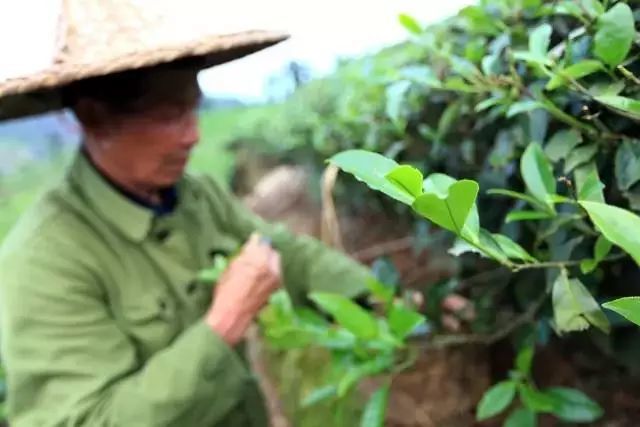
<point>215,50</point>
<point>100,37</point>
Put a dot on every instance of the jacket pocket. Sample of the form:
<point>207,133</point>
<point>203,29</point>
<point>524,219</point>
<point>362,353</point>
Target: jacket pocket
<point>152,322</point>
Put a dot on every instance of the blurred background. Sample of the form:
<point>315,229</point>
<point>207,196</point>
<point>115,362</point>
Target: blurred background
<point>400,78</point>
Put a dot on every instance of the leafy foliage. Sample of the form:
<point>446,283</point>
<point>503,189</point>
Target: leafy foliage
<point>511,126</point>
<point>362,345</point>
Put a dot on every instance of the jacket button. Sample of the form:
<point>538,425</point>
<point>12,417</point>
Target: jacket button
<point>191,287</point>
<point>163,235</point>
<point>215,252</point>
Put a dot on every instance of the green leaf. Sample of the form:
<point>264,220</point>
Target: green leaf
<point>379,290</point>
<point>573,406</point>
<point>538,175</point>
<point>403,320</point>
<point>471,229</point>
<point>490,64</point>
<point>396,105</point>
<point>557,198</point>
<point>410,24</point>
<point>602,248</point>
<point>496,400</point>
<point>588,183</point>
<point>457,83</point>
<point>478,20</point>
<point>438,183</point>
<point>488,103</point>
<point>475,49</point>
<point>616,30</point>
<point>516,195</point>
<point>619,226</point>
<point>569,7</point>
<point>372,169</point>
<point>347,313</point>
<point>461,247</point>
<point>448,117</point>
<point>628,307</point>
<point>526,216</point>
<point>600,251</point>
<point>575,72</point>
<point>628,164</point>
<point>532,58</point>
<point>574,307</point>
<point>212,274</point>
<point>521,417</point>
<point>318,395</point>
<point>421,74</point>
<point>539,40</point>
<point>524,360</point>
<point>626,106</point>
<point>580,156</point>
<point>536,400</point>
<point>594,8</point>
<point>561,144</point>
<point>588,265</point>
<point>523,107</point>
<point>407,178</point>
<point>370,368</point>
<point>607,88</point>
<point>376,408</point>
<point>512,249</point>
<point>464,68</point>
<point>490,247</point>
<point>449,206</point>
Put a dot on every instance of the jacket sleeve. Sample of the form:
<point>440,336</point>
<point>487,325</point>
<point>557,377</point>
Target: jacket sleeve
<point>68,363</point>
<point>308,264</point>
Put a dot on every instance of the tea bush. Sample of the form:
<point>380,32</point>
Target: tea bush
<point>523,117</point>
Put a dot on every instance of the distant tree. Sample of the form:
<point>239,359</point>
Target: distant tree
<point>292,76</point>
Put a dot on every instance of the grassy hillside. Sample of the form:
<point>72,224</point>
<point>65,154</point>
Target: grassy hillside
<point>18,190</point>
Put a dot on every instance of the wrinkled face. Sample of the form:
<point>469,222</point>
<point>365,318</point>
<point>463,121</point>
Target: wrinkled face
<point>150,146</point>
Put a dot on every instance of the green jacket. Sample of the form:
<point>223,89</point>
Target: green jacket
<point>102,319</point>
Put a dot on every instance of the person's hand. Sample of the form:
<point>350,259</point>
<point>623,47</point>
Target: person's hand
<point>455,310</point>
<point>243,289</point>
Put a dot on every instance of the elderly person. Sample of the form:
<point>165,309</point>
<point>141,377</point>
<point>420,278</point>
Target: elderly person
<point>104,321</point>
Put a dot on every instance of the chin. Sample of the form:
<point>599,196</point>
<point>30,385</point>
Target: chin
<point>169,179</point>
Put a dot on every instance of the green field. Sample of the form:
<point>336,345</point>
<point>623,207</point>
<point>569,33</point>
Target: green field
<point>19,190</point>
<point>211,155</point>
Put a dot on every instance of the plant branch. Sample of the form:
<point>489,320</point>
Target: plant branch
<point>445,341</point>
<point>562,264</point>
<point>628,74</point>
<point>384,248</point>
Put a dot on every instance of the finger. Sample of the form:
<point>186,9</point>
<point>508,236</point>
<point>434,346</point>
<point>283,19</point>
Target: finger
<point>461,306</point>
<point>275,267</point>
<point>454,303</point>
<point>256,252</point>
<point>451,323</point>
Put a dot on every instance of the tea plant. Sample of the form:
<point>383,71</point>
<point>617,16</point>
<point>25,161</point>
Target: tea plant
<point>523,114</point>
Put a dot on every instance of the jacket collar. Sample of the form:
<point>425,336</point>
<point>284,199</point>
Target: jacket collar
<point>128,215</point>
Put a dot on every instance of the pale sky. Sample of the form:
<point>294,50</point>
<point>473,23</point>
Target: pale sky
<point>320,32</point>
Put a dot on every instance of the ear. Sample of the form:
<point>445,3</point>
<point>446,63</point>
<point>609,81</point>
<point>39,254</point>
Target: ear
<point>93,116</point>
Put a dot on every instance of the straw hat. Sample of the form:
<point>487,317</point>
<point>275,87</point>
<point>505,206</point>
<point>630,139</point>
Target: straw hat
<point>99,37</point>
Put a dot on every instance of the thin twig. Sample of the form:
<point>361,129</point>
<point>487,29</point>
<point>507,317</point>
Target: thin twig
<point>482,277</point>
<point>628,74</point>
<point>445,341</point>
<point>384,248</point>
<point>563,264</point>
